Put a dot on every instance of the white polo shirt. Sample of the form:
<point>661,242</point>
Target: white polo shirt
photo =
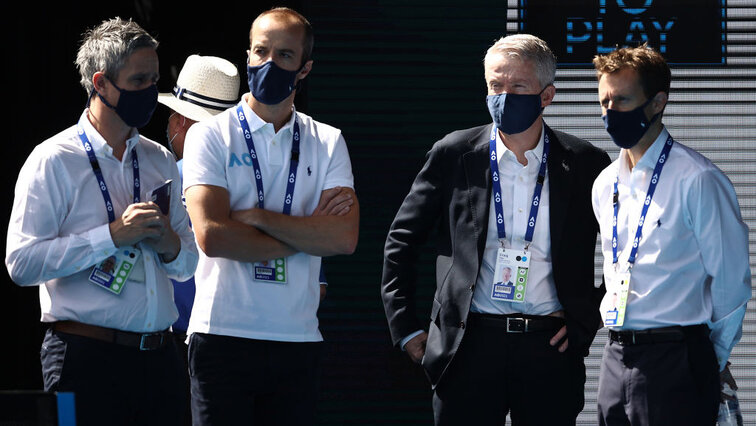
<point>228,300</point>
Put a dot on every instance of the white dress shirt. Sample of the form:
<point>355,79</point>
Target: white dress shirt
<point>229,301</point>
<point>517,187</point>
<point>692,264</point>
<point>59,230</point>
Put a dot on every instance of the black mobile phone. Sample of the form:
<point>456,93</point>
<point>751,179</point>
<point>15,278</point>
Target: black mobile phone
<point>162,197</point>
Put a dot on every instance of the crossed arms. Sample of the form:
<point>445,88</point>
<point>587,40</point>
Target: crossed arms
<point>253,235</point>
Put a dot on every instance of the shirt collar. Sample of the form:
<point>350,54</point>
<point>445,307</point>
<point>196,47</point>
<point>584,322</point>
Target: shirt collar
<point>649,158</point>
<point>99,144</point>
<point>534,154</point>
<point>256,123</point>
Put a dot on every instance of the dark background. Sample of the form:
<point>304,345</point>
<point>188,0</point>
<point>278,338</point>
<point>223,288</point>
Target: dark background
<point>395,77</point>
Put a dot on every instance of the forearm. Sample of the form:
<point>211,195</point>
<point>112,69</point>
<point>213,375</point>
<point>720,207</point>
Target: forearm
<point>237,241</point>
<point>39,260</point>
<point>315,235</point>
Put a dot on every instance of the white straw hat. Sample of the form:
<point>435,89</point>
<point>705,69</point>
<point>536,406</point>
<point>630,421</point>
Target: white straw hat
<point>206,86</point>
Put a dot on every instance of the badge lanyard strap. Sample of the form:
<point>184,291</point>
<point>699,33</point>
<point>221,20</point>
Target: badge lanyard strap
<point>498,203</point>
<point>256,165</point>
<point>649,195</point>
<point>98,172</point>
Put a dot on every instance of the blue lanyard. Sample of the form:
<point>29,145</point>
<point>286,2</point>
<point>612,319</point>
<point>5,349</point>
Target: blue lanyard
<point>649,195</point>
<point>498,204</point>
<point>98,172</point>
<point>256,165</point>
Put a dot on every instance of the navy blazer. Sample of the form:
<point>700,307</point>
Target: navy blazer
<point>452,193</point>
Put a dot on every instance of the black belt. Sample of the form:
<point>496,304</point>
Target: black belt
<point>517,323</point>
<point>143,341</point>
<point>657,335</point>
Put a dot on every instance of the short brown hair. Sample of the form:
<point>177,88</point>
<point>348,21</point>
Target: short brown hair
<point>655,75</point>
<point>293,15</point>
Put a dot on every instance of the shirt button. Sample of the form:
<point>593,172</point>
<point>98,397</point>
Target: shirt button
<point>149,324</point>
<point>520,210</point>
<point>152,292</point>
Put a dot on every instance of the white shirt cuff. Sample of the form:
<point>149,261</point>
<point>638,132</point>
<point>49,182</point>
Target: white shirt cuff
<point>408,338</point>
<point>101,241</point>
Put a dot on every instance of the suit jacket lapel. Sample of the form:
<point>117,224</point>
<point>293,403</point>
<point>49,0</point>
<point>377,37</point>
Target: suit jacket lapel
<point>561,173</point>
<point>477,173</point>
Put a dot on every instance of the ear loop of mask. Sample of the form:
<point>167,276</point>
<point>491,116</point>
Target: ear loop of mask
<point>170,139</point>
<point>95,92</point>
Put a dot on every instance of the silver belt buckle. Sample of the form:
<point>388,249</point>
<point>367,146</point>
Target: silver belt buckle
<point>517,325</point>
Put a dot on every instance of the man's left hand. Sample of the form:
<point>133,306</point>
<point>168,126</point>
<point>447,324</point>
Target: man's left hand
<point>168,244</point>
<point>726,377</point>
<point>561,334</point>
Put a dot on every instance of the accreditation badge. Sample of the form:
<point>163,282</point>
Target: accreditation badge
<point>510,275</point>
<point>271,271</point>
<point>113,272</point>
<point>618,288</point>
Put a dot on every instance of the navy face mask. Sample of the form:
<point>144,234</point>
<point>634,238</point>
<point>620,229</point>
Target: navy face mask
<point>135,107</point>
<point>627,127</point>
<point>514,113</point>
<point>271,84</point>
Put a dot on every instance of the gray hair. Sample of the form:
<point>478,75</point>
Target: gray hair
<point>532,48</point>
<point>106,48</point>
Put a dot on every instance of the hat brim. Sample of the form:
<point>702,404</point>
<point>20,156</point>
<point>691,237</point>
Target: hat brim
<point>187,109</point>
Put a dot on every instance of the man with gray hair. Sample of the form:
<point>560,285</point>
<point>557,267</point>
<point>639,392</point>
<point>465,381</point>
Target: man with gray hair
<point>104,267</point>
<point>510,194</point>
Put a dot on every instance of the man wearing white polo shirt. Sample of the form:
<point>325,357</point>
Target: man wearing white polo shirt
<point>269,191</point>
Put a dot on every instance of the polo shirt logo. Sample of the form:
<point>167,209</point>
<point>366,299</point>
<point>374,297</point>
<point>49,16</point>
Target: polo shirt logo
<point>246,160</point>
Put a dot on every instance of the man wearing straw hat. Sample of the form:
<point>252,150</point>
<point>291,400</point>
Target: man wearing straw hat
<point>206,86</point>
<point>269,191</point>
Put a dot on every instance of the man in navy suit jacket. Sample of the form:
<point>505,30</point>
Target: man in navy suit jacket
<point>516,194</point>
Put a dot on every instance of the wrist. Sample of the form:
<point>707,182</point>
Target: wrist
<point>172,249</point>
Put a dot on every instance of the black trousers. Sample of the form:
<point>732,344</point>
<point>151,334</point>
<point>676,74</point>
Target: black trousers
<point>496,373</point>
<point>114,384</point>
<point>667,383</point>
<point>237,381</point>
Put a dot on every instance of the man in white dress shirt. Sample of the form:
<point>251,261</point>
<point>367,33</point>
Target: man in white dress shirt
<point>675,257</point>
<point>85,229</point>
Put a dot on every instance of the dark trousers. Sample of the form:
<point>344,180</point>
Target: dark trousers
<point>238,381</point>
<point>667,383</point>
<point>179,337</point>
<point>115,384</point>
<point>496,373</point>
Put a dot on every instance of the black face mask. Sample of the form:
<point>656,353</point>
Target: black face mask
<point>628,127</point>
<point>513,113</point>
<point>271,84</point>
<point>135,107</point>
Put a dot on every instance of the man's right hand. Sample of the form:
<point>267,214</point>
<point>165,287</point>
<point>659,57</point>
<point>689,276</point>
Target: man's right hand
<point>416,347</point>
<point>138,222</point>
